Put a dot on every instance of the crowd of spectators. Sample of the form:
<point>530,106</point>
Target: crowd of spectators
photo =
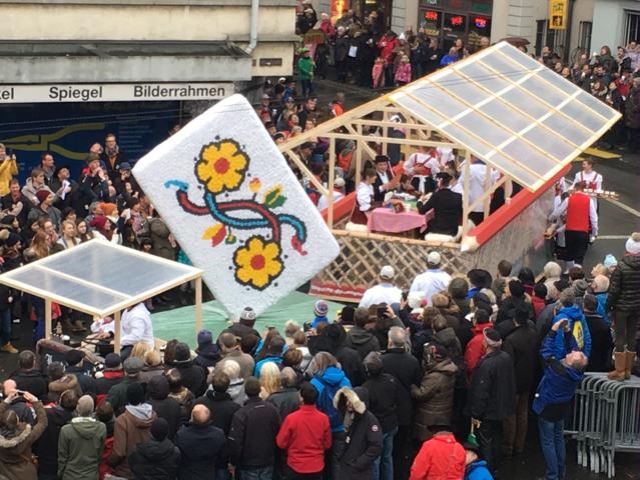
<point>436,382</point>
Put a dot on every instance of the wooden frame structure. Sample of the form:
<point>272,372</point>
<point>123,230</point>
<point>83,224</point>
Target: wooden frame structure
<point>22,279</point>
<point>422,107</point>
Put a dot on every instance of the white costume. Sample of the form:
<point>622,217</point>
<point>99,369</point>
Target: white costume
<point>135,326</point>
<point>384,292</point>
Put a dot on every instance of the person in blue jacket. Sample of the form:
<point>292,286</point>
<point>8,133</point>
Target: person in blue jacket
<point>476,468</point>
<point>561,377</point>
<point>577,327</point>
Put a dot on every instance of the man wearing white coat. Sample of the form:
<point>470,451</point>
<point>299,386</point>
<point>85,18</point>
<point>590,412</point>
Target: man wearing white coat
<point>384,292</point>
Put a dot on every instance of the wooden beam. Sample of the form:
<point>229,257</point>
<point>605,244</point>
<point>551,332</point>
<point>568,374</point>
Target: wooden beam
<point>465,195</point>
<point>198,300</point>
<point>394,239</point>
<point>306,172</point>
<point>332,176</point>
<point>47,318</point>
<point>117,330</point>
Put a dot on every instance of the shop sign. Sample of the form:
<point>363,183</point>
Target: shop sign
<point>113,92</point>
<point>558,14</point>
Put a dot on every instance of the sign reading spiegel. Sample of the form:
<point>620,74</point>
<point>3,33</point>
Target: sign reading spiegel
<point>114,92</point>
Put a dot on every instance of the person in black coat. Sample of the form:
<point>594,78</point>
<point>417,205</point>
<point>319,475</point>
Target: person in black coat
<point>384,175</point>
<point>363,443</point>
<point>74,359</point>
<point>217,400</point>
<point>46,448</point>
<point>446,205</point>
<point>157,458</point>
<point>404,367</point>
<point>492,398</point>
<point>384,400</point>
<point>601,341</point>
<point>194,377</point>
<point>252,439</point>
<point>163,405</point>
<point>333,340</point>
<point>207,351</point>
<point>287,399</point>
<point>515,299</point>
<point>28,377</point>
<point>200,443</point>
<point>521,344</point>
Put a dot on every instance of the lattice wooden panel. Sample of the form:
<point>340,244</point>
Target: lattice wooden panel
<point>363,255</point>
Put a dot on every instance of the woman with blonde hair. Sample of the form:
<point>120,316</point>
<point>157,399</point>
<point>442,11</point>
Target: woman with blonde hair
<point>68,238</point>
<point>270,380</point>
<point>139,350</point>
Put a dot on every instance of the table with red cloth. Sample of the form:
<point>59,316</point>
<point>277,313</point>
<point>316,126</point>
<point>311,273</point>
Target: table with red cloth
<point>386,220</point>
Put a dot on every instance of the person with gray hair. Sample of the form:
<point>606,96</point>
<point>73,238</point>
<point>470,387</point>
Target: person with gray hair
<point>81,444</point>
<point>578,327</point>
<point>492,398</point>
<point>405,369</point>
<point>287,398</point>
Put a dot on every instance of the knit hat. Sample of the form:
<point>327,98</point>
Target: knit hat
<point>133,365</point>
<point>205,337</point>
<point>85,406</point>
<point>112,361</point>
<point>12,239</point>
<point>580,287</point>
<point>492,337</point>
<point>248,316</point>
<point>125,166</point>
<point>73,357</point>
<point>610,261</point>
<point>42,195</point>
<point>633,244</point>
<point>320,309</point>
<point>99,222</point>
<point>159,429</point>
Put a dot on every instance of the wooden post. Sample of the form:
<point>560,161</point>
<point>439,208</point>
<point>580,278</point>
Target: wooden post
<point>332,176</point>
<point>116,332</point>
<point>465,194</point>
<point>487,199</point>
<point>198,304</point>
<point>358,154</point>
<point>47,318</point>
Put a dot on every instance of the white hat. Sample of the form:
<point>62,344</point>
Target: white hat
<point>633,244</point>
<point>387,272</point>
<point>339,182</point>
<point>402,36</point>
<point>434,258</point>
<point>282,80</point>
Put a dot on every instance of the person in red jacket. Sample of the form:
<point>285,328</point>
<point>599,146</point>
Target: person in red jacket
<point>581,223</point>
<point>305,435</point>
<point>441,457</point>
<point>475,348</point>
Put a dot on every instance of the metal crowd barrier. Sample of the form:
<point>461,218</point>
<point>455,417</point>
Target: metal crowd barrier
<point>605,420</point>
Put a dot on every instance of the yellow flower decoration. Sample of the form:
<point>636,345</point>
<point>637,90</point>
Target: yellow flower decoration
<point>258,263</point>
<point>222,166</point>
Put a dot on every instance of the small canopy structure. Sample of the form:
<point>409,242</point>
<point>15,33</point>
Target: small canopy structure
<point>498,105</point>
<point>101,279</point>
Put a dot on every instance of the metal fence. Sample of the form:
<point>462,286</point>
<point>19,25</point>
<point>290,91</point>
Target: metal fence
<point>605,420</point>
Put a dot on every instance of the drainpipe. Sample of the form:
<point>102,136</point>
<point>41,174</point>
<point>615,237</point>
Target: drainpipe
<point>253,37</point>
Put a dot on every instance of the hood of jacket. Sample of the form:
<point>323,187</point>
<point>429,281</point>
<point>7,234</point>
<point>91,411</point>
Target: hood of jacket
<point>156,451</point>
<point>332,375</point>
<point>210,352</point>
<point>158,387</point>
<point>360,336</point>
<point>446,367</point>
<point>13,439</point>
<point>632,261</point>
<point>446,335</point>
<point>349,394</point>
<point>142,415</point>
<point>85,427</point>
<point>479,328</point>
<point>66,382</point>
<point>573,312</point>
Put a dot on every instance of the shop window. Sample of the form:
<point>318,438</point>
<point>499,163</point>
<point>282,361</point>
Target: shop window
<point>479,26</point>
<point>431,21</point>
<point>632,28</point>
<point>584,36</point>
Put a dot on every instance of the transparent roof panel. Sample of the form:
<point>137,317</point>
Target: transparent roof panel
<point>511,111</point>
<point>99,277</point>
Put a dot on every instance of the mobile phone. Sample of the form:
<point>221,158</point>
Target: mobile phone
<point>20,392</point>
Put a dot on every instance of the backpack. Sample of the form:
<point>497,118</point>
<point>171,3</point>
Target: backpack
<point>325,404</point>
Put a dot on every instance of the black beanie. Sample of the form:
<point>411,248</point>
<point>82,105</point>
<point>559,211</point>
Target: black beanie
<point>135,394</point>
<point>159,429</point>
